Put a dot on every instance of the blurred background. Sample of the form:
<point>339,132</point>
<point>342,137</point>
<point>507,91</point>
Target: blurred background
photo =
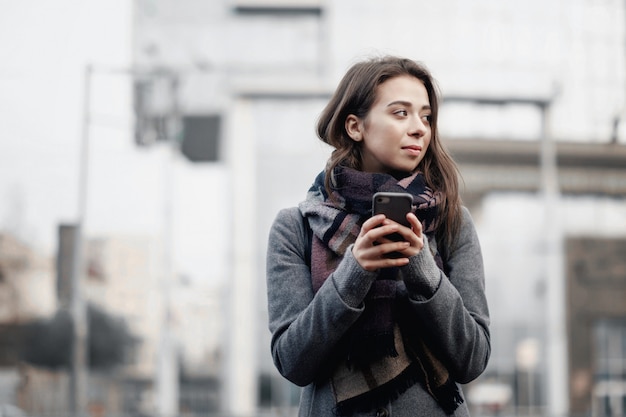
<point>146,146</point>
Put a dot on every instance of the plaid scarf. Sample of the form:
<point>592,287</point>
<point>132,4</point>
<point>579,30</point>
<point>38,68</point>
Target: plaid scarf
<point>380,357</point>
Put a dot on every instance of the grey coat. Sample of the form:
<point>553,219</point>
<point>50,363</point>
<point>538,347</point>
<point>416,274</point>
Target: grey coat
<point>305,326</point>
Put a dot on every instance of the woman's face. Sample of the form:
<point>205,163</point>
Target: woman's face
<point>396,131</point>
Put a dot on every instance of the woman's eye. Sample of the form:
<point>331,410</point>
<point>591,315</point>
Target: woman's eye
<point>427,118</point>
<point>401,112</point>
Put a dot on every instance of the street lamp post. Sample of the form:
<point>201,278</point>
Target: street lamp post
<point>79,361</point>
<point>167,371</point>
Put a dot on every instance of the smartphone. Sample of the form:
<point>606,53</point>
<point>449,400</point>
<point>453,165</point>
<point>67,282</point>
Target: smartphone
<point>394,206</point>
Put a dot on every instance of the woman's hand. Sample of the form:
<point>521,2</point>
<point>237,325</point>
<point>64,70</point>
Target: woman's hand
<point>373,250</point>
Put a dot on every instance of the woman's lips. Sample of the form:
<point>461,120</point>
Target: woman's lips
<point>413,149</point>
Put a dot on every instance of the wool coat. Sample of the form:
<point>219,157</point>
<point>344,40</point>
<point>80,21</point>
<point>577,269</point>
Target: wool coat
<point>306,326</point>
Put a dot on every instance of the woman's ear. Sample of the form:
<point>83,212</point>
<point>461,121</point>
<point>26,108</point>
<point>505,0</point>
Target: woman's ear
<point>354,128</point>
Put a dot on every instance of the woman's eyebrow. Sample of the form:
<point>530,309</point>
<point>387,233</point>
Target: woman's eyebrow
<point>401,103</point>
<point>407,104</point>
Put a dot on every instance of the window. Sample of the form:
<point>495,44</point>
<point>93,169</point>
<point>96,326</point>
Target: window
<point>201,137</point>
<point>609,393</point>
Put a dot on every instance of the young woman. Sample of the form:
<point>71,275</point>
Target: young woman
<point>367,333</point>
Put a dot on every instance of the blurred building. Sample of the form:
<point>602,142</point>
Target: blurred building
<point>26,283</point>
<point>533,111</point>
<point>125,276</point>
<point>267,67</point>
<point>26,294</point>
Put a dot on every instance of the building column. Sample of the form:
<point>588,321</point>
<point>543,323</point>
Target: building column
<point>240,374</point>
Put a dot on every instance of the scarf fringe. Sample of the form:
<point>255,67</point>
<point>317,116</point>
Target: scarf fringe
<point>381,395</point>
<point>448,396</point>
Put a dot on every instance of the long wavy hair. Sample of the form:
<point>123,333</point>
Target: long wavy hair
<point>356,93</point>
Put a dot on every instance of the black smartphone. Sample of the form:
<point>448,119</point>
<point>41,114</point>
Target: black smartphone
<point>394,206</point>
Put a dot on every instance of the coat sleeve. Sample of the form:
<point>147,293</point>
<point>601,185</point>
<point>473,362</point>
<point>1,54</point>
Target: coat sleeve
<point>306,326</point>
<point>456,317</point>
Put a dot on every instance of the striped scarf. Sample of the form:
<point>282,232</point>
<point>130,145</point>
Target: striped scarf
<point>380,357</point>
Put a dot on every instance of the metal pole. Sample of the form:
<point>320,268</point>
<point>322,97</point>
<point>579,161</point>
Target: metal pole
<point>167,376</point>
<point>79,372</point>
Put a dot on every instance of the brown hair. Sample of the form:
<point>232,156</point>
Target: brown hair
<point>355,94</point>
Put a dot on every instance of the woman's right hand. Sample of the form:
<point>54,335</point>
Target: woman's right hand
<point>372,250</point>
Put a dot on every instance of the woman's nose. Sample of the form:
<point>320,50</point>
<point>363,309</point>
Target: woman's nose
<point>418,127</point>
